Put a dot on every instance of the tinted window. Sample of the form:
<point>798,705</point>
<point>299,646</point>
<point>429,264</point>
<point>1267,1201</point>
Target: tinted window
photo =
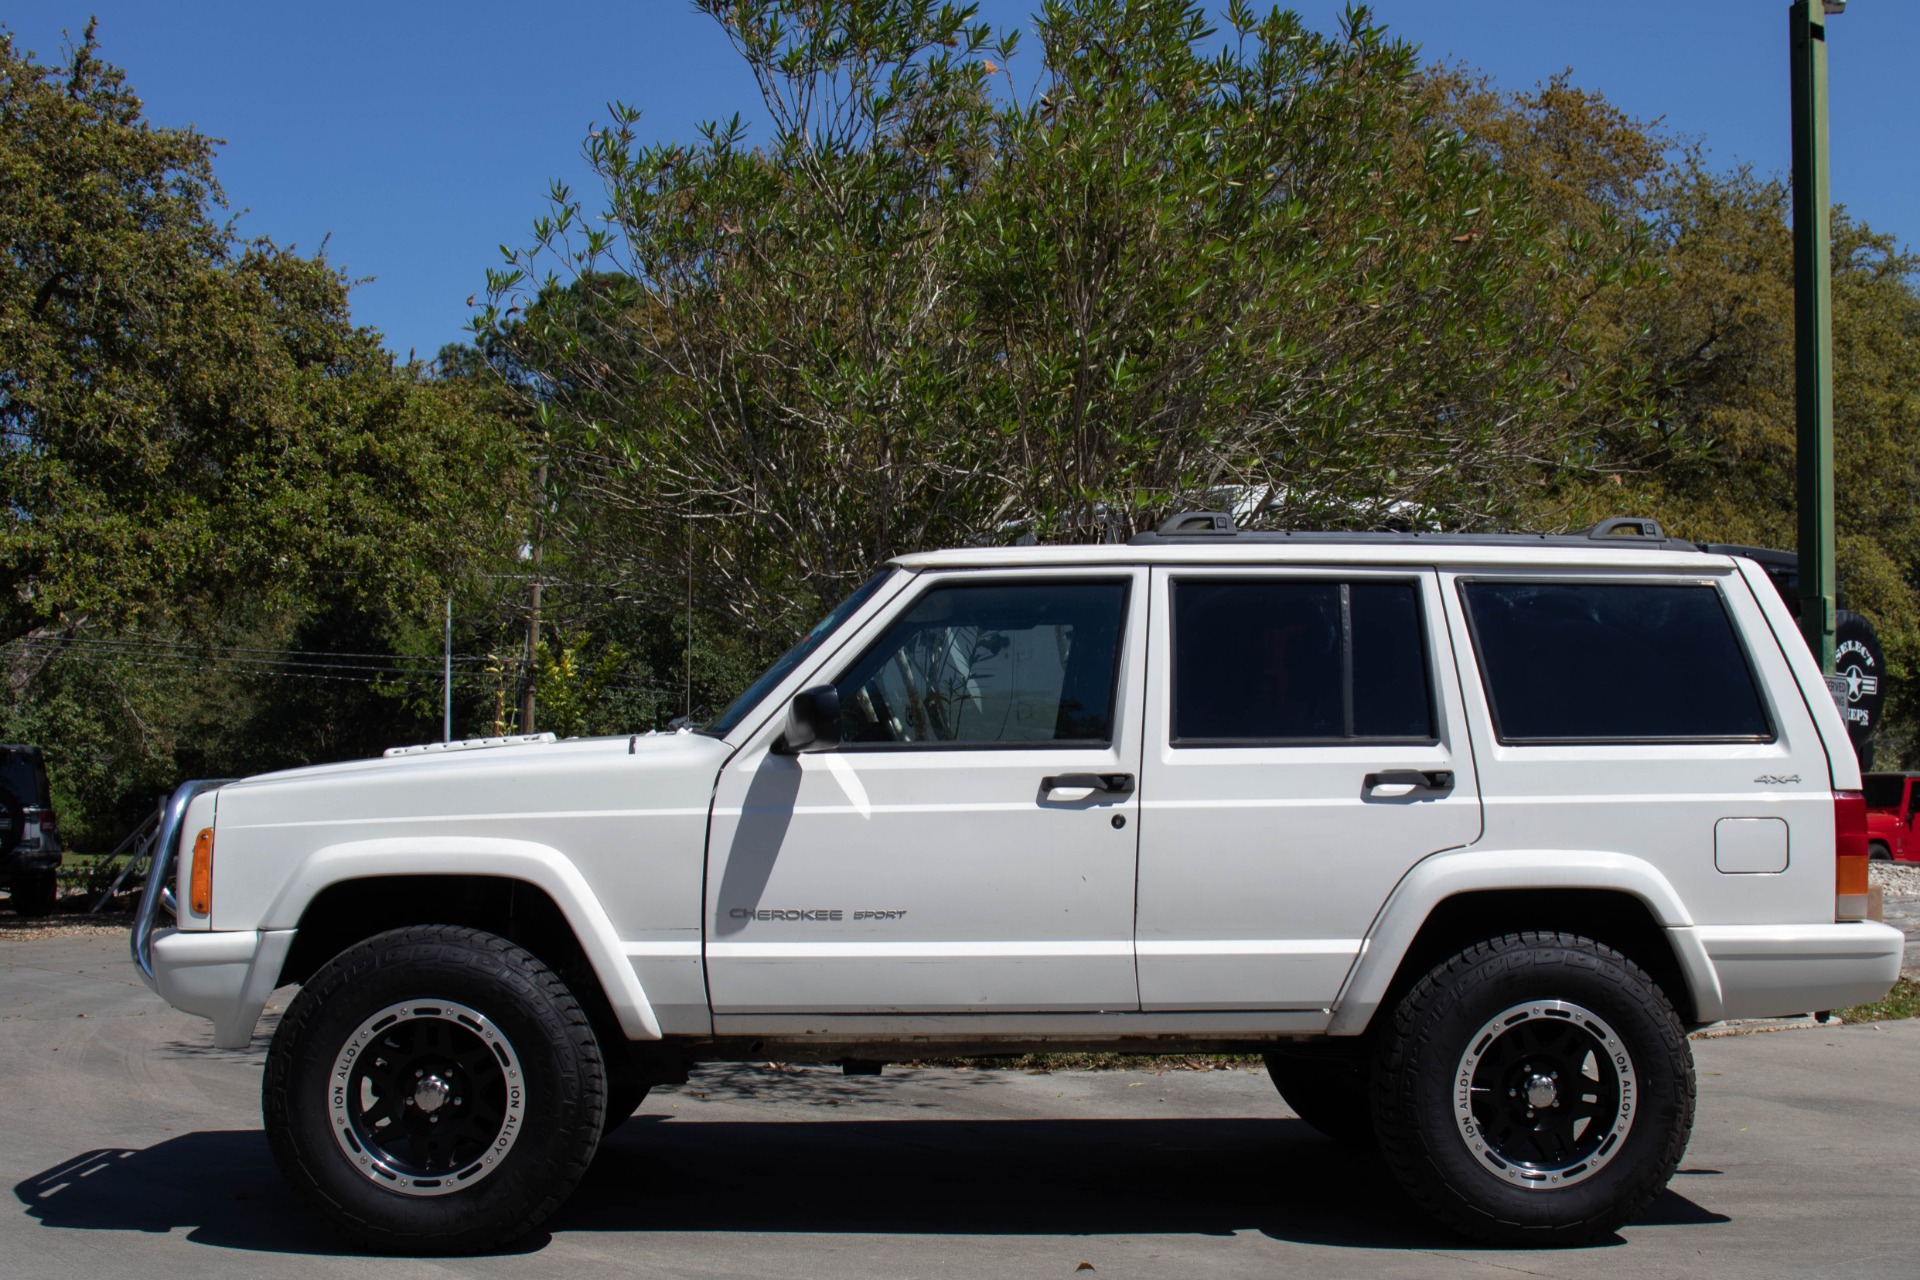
<point>1612,662</point>
<point>24,777</point>
<point>993,663</point>
<point>1273,661</point>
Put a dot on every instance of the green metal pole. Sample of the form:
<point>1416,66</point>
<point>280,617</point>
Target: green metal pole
<point>1813,328</point>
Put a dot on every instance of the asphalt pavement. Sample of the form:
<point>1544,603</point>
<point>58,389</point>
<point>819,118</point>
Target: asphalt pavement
<point>133,1149</point>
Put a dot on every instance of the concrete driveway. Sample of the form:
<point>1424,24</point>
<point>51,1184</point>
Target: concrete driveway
<point>133,1149</point>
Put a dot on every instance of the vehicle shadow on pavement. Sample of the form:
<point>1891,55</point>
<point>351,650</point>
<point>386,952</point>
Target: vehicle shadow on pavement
<point>221,1186</point>
<point>1011,1177</point>
<point>894,1177</point>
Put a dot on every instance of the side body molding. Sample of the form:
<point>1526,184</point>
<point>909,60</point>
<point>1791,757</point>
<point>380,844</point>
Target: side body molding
<point>537,864</point>
<point>1447,875</point>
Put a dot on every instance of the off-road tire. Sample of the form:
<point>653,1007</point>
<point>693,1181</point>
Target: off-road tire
<point>558,1056</point>
<point>35,893</point>
<point>1330,1091</point>
<point>1440,1021</point>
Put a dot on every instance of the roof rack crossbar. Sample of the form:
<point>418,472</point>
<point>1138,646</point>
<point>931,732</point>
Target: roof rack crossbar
<point>1190,524</point>
<point>1627,527</point>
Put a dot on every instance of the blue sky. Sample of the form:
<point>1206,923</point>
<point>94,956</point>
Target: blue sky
<point>418,136</point>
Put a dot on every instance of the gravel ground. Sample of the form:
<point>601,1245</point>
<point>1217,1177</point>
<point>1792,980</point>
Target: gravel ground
<point>1901,878</point>
<point>1900,906</point>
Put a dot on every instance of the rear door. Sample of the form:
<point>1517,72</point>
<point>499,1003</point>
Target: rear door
<point>1305,747</point>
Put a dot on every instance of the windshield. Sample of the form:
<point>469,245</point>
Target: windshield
<point>738,708</point>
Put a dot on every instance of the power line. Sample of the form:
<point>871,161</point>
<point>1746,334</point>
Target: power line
<point>189,648</point>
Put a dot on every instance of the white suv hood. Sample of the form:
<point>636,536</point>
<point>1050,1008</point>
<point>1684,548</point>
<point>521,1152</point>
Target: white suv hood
<point>596,802</point>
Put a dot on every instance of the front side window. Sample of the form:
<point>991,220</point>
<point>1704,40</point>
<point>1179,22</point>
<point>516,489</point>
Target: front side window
<point>1603,662</point>
<point>1271,661</point>
<point>992,663</point>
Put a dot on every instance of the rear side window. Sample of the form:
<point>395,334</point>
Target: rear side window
<point>992,664</point>
<point>1269,661</point>
<point>1579,662</point>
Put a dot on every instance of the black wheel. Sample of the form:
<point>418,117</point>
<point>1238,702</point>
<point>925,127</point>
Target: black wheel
<point>35,893</point>
<point>1535,1089</point>
<point>1330,1091</point>
<point>1877,851</point>
<point>434,1090</point>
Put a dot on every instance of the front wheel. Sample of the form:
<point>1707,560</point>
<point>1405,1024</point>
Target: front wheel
<point>1877,851</point>
<point>1534,1089</point>
<point>434,1090</point>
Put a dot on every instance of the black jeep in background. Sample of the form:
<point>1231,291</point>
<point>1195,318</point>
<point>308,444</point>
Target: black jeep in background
<point>29,832</point>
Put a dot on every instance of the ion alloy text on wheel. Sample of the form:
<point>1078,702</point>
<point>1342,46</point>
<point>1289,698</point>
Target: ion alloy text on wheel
<point>1544,1094</point>
<point>427,1097</point>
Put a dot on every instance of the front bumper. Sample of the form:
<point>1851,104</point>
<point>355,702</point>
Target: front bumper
<point>1772,971</point>
<point>225,977</point>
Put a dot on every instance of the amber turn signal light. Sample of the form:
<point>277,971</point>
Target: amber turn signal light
<point>200,881</point>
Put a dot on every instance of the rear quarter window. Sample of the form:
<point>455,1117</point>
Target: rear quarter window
<point>1599,662</point>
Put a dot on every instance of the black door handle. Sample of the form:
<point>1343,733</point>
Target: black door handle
<point>1422,779</point>
<point>1117,784</point>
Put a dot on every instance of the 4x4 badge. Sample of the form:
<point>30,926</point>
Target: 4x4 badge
<point>1777,779</point>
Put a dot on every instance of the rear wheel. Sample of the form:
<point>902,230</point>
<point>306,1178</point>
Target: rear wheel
<point>434,1089</point>
<point>1329,1091</point>
<point>35,893</point>
<point>1535,1089</point>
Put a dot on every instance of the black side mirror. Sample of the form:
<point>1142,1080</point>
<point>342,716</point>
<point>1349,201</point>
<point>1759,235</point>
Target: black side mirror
<point>813,721</point>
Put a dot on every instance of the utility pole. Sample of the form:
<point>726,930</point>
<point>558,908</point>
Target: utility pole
<point>533,610</point>
<point>446,721</point>
<point>1813,323</point>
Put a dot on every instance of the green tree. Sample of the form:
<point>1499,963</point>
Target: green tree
<point>213,478</point>
<point>187,418</point>
<point>1712,329</point>
<point>928,309</point>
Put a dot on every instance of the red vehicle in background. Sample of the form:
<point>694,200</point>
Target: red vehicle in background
<point>1892,800</point>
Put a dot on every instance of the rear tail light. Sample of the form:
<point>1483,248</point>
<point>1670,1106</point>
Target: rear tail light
<point>1849,855</point>
<point>200,879</point>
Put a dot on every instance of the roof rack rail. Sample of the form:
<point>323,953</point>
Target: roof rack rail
<point>1218,526</point>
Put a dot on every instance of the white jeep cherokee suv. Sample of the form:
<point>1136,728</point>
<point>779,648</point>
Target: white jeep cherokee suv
<point>1463,832</point>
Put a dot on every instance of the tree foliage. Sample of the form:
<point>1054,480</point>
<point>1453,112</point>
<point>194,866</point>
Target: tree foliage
<point>936,286</point>
<point>1715,341</point>
<point>930,308</point>
<point>212,478</point>
<point>188,418</point>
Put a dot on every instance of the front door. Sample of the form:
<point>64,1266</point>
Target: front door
<point>1306,747</point>
<point>969,845</point>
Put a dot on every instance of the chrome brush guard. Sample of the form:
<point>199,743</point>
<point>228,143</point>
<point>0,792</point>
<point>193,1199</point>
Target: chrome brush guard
<point>158,892</point>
